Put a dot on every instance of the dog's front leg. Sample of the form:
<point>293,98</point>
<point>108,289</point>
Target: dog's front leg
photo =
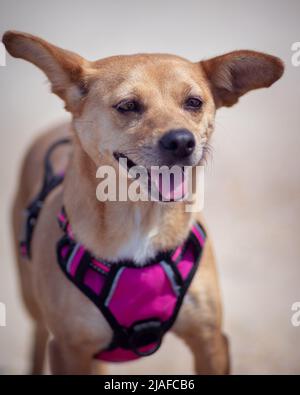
<point>210,350</point>
<point>68,359</point>
<point>199,323</point>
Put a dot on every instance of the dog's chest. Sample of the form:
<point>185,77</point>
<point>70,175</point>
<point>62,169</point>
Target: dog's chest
<point>139,246</point>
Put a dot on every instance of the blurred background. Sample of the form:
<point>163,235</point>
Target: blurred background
<point>252,195</point>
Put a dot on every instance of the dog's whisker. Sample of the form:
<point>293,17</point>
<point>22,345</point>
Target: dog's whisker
<point>207,155</point>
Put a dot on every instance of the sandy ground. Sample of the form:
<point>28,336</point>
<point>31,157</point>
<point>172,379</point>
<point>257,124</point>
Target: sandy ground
<point>252,202</point>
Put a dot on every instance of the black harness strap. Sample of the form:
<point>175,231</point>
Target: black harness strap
<point>50,182</point>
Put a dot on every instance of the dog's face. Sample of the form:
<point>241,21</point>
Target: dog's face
<point>152,109</point>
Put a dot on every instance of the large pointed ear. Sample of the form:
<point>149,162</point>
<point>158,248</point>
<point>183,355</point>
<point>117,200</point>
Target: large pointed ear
<point>67,71</point>
<point>236,73</point>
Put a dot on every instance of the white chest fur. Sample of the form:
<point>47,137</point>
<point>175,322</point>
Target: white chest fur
<point>139,245</point>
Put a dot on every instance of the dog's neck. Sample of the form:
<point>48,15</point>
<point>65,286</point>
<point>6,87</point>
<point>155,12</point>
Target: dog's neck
<point>136,231</point>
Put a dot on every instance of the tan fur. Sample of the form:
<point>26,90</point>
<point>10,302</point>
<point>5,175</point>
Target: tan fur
<point>90,90</point>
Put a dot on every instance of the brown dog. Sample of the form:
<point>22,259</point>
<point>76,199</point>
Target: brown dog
<point>123,104</point>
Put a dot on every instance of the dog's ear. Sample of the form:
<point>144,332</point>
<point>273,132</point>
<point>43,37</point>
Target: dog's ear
<point>234,74</point>
<point>67,71</point>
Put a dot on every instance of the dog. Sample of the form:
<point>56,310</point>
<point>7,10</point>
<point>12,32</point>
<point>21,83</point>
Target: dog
<point>153,110</point>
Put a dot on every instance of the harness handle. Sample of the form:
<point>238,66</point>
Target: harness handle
<point>48,169</point>
<point>50,181</point>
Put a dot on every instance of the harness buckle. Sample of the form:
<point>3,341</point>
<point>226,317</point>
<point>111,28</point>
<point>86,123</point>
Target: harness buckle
<point>145,334</point>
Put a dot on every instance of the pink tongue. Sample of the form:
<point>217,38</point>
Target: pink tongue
<point>171,187</point>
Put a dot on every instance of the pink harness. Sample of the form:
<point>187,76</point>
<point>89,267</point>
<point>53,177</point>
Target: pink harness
<point>140,303</point>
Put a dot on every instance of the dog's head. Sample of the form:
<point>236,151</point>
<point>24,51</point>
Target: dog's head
<point>154,109</point>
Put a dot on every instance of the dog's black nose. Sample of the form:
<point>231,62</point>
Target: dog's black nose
<point>180,142</point>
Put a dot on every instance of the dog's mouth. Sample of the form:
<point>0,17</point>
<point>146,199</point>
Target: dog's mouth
<point>162,185</point>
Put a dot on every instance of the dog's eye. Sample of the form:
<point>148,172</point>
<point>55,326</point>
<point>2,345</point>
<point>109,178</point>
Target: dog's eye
<point>128,106</point>
<point>193,103</point>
